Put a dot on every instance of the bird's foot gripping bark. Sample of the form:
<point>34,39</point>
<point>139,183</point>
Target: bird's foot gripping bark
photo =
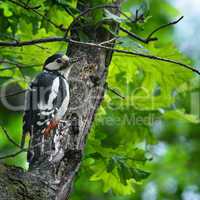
<point>51,126</point>
<point>48,148</point>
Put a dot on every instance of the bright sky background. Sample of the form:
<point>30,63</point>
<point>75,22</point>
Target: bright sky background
<point>188,30</point>
<point>189,6</point>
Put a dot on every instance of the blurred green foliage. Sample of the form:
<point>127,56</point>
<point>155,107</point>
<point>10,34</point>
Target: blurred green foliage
<point>146,143</point>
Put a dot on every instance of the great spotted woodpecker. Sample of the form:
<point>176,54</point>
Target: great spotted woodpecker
<point>47,99</point>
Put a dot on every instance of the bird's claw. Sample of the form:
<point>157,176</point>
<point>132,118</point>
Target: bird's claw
<point>52,125</point>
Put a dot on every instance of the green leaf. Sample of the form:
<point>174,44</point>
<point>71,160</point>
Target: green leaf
<point>127,173</point>
<point>111,16</point>
<point>180,115</point>
<point>111,165</point>
<point>7,11</point>
<point>130,44</point>
<point>139,174</point>
<point>112,182</point>
<point>124,172</point>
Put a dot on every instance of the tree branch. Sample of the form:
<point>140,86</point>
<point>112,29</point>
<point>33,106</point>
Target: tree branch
<point>137,54</point>
<point>164,26</point>
<point>150,38</point>
<point>62,39</point>
<point>13,94</point>
<point>109,41</point>
<point>77,18</point>
<point>137,37</point>
<point>144,40</point>
<point>12,155</point>
<point>32,42</point>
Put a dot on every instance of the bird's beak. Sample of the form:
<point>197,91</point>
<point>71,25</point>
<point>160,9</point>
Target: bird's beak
<point>65,60</point>
<point>68,61</point>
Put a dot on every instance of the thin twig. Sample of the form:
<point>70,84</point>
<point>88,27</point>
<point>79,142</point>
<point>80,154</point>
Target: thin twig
<point>137,16</point>
<point>164,26</point>
<point>125,15</point>
<point>109,41</point>
<point>13,94</point>
<point>114,91</point>
<point>13,154</point>
<point>31,42</point>
<point>9,138</point>
<point>76,19</point>
<point>150,38</point>
<point>43,48</point>
<point>22,150</point>
<point>137,54</point>
<point>137,37</point>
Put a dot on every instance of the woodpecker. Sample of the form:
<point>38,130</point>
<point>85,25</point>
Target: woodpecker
<point>47,99</point>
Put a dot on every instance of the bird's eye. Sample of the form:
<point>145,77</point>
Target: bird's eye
<point>59,60</point>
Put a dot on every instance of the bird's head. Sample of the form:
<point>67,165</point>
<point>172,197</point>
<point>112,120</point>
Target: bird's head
<point>59,62</point>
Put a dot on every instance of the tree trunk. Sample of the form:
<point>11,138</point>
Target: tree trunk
<point>51,176</point>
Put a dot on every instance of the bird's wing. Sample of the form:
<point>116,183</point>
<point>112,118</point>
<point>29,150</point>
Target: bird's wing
<point>62,100</point>
<point>39,103</point>
<point>27,116</point>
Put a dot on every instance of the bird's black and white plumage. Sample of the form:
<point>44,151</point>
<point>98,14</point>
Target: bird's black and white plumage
<point>47,99</point>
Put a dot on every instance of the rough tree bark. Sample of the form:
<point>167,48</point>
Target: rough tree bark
<point>51,178</point>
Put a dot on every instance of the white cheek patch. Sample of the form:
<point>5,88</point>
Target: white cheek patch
<point>53,66</point>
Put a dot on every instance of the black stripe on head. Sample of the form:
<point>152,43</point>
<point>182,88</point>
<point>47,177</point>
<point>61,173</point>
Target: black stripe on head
<point>52,58</point>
